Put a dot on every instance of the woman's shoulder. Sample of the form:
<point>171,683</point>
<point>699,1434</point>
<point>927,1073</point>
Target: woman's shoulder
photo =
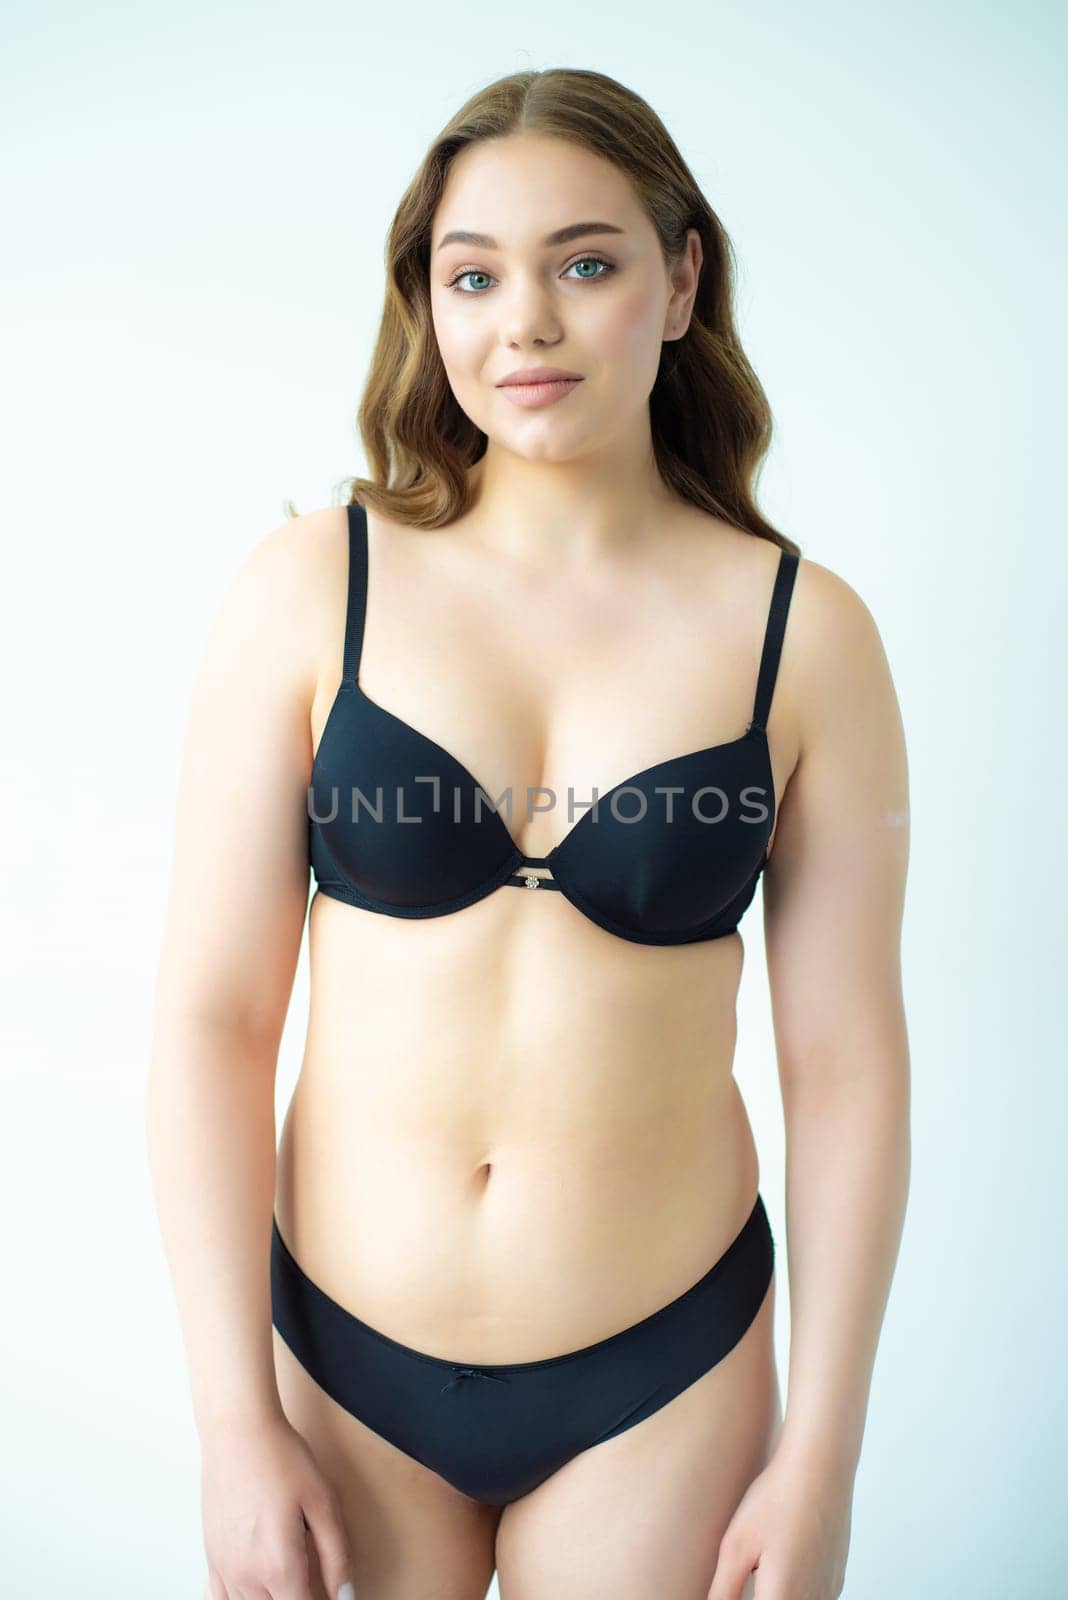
<point>833,623</point>
<point>306,549</point>
<point>835,660</point>
<point>285,595</point>
<point>830,634</point>
<point>300,567</point>
<point>825,609</point>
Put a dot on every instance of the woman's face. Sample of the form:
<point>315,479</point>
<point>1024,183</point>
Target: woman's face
<point>598,304</point>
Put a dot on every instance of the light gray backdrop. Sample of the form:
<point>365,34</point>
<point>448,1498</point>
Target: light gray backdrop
<point>194,213</point>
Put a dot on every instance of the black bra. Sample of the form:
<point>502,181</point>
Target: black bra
<point>671,855</point>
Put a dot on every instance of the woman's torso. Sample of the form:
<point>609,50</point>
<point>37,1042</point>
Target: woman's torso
<point>514,1132</point>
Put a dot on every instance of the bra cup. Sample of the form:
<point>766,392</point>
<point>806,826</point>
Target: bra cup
<point>668,872</point>
<point>428,844</point>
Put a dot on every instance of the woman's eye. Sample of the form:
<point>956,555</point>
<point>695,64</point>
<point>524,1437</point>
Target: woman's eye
<point>460,277</point>
<point>592,261</point>
<point>583,261</point>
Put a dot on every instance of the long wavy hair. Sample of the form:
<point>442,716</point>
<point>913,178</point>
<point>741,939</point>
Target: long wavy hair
<point>710,419</point>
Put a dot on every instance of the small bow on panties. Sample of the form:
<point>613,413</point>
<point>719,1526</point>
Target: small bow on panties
<point>470,1372</point>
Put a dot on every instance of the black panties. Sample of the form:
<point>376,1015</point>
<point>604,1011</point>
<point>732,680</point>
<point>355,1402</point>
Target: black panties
<point>496,1432</point>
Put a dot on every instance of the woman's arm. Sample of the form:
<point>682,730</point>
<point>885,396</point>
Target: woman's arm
<point>834,902</point>
<point>833,905</point>
<point>234,922</point>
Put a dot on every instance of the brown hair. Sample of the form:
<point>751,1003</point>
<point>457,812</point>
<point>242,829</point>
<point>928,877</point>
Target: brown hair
<point>710,419</point>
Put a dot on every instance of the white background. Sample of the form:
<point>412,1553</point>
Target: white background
<point>195,207</point>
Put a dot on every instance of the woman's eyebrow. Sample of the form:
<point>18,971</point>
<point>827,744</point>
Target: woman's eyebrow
<point>574,230</point>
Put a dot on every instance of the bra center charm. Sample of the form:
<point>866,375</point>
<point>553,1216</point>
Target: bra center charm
<point>532,880</point>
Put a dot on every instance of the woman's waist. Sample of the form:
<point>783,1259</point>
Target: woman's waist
<point>512,1251</point>
<point>492,1071</point>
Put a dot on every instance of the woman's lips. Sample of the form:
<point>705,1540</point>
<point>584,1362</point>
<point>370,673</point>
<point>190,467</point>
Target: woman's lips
<point>538,394</point>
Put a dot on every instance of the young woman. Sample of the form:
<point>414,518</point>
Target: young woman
<point>513,1249</point>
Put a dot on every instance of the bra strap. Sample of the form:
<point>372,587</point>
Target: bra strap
<point>773,637</point>
<point>356,609</point>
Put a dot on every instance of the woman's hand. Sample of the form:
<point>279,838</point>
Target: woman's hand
<point>262,1494</point>
<point>792,1525</point>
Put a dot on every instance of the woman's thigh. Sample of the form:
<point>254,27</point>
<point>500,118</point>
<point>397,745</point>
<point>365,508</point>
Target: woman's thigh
<point>409,1530</point>
<point>642,1513</point>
